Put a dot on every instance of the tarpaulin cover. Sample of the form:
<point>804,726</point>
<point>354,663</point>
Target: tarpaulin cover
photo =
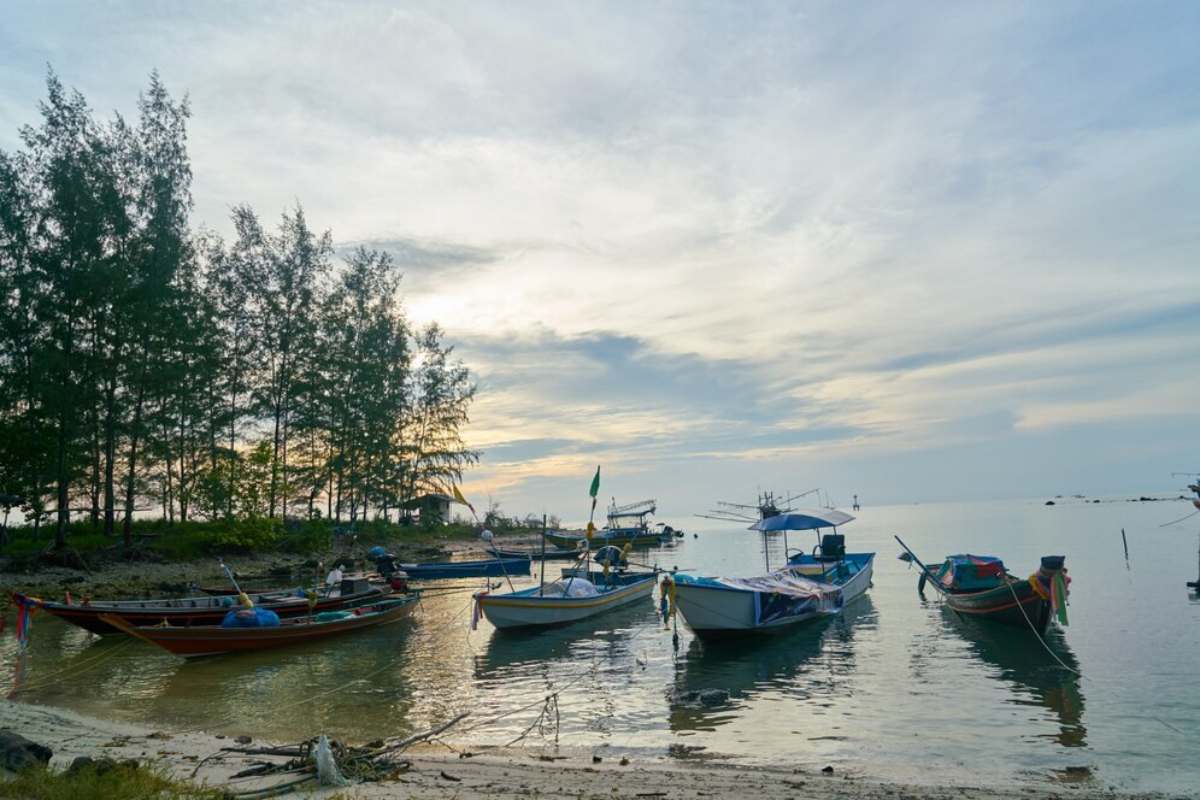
<point>968,572</point>
<point>784,593</point>
<point>251,618</point>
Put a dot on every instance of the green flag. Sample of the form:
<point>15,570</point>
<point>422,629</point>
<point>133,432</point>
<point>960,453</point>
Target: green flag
<point>595,484</point>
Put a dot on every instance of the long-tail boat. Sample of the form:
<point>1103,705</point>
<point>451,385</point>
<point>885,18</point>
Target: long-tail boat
<point>211,640</point>
<point>388,565</point>
<point>205,610</point>
<point>981,587</point>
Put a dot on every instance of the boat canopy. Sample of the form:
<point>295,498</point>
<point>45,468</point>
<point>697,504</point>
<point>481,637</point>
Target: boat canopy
<point>802,520</point>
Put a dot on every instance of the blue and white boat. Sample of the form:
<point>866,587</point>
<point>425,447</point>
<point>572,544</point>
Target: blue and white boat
<point>811,585</point>
<point>573,597</point>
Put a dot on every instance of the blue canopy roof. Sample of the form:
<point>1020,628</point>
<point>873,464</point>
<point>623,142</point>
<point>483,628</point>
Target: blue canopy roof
<point>803,521</point>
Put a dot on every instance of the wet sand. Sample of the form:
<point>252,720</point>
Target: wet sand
<point>438,772</point>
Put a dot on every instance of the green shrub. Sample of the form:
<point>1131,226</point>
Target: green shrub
<point>118,783</point>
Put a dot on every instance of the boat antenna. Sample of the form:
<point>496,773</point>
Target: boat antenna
<point>242,596</point>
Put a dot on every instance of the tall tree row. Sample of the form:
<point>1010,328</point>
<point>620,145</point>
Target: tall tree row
<point>149,370</point>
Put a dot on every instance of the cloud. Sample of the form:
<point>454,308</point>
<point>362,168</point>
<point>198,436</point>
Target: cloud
<point>695,239</point>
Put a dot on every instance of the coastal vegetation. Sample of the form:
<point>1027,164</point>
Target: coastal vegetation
<point>121,782</point>
<point>150,370</point>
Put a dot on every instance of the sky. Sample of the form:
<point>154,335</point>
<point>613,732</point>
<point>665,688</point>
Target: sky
<point>909,251</point>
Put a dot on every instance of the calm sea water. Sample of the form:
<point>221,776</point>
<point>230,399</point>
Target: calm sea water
<point>896,687</point>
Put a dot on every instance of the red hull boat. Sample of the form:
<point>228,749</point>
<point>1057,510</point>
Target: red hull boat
<point>211,640</point>
<point>192,611</point>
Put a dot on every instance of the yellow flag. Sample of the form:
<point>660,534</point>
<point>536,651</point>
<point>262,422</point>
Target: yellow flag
<point>459,497</point>
<point>591,529</point>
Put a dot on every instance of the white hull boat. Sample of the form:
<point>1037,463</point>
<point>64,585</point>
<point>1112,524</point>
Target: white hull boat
<point>789,596</point>
<point>564,601</point>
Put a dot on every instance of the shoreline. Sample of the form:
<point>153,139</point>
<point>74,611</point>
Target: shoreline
<point>472,774</point>
<point>112,580</point>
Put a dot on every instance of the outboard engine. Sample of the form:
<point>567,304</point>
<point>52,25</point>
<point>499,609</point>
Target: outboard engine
<point>387,566</point>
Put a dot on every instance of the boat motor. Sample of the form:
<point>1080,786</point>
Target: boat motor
<point>387,566</point>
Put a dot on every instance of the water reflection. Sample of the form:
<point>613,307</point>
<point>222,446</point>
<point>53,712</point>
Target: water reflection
<point>1037,679</point>
<point>714,680</point>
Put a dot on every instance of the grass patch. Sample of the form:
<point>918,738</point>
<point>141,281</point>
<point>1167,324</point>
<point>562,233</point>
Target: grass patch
<point>117,783</point>
<point>196,540</point>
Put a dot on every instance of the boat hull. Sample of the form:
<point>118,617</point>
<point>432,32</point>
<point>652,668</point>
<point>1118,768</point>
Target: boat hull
<point>1013,604</point>
<point>639,538</point>
<point>193,611</point>
<point>490,568</point>
<point>528,610</point>
<point>211,640</point>
<point>713,610</point>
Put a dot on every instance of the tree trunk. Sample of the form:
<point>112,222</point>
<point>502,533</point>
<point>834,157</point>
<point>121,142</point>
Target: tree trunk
<point>131,478</point>
<point>110,457</point>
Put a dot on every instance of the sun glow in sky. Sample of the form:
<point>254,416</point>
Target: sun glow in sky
<point>909,251</point>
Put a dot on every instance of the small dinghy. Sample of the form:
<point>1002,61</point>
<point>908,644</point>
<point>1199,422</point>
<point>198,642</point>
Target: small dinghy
<point>579,594</point>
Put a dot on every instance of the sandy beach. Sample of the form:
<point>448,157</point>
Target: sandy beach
<point>437,771</point>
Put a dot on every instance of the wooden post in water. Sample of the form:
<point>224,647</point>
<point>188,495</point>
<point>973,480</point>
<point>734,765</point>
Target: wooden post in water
<point>1126,545</point>
<point>542,579</point>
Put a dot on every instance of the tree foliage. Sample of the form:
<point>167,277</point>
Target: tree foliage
<point>147,368</point>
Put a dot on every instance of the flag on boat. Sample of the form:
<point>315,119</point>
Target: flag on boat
<point>459,497</point>
<point>593,491</point>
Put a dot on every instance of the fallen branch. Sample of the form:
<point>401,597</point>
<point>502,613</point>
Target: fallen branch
<point>419,737</point>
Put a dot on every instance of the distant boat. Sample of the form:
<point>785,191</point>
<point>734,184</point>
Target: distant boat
<point>487,568</point>
<point>620,530</point>
<point>810,586</point>
<point>537,555</point>
<point>211,640</point>
<point>388,566</point>
<point>983,588</point>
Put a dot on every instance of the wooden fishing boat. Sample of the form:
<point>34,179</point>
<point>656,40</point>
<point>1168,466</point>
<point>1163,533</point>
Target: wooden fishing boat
<point>812,585</point>
<point>568,599</point>
<point>537,555</point>
<point>486,568</point>
<point>617,537</point>
<point>981,587</point>
<point>627,524</point>
<point>205,610</point>
<point>210,640</point>
<point>388,565</point>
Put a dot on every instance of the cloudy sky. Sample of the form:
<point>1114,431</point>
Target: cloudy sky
<point>911,251</point>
